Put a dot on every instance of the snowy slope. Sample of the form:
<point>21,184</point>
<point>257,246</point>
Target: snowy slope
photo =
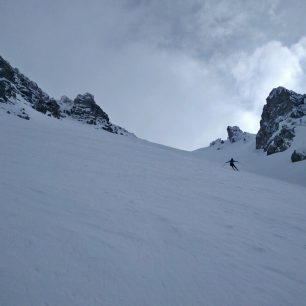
<point>278,165</point>
<point>91,218</point>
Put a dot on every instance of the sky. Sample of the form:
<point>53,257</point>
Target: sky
<point>173,72</point>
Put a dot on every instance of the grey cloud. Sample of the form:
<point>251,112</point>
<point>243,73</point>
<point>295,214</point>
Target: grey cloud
<point>174,72</point>
<point>206,27</point>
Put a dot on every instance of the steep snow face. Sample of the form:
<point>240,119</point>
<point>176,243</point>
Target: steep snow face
<point>18,94</point>
<point>284,111</point>
<point>278,166</point>
<point>89,218</point>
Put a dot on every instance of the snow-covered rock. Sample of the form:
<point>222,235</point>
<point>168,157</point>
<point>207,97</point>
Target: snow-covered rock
<point>298,155</point>
<point>18,94</point>
<point>235,135</point>
<point>16,89</point>
<point>218,142</point>
<point>282,116</point>
<point>284,110</point>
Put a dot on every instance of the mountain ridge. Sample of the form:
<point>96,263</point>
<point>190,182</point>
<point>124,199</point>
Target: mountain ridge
<point>283,113</point>
<point>18,93</point>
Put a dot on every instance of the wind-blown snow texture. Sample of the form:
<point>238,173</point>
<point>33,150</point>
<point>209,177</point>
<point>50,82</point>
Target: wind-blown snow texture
<point>277,166</point>
<point>90,218</point>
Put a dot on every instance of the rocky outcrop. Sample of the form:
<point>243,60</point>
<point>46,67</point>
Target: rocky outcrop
<point>236,134</point>
<point>282,126</point>
<point>85,108</point>
<point>281,141</point>
<point>15,87</point>
<point>298,155</point>
<point>283,111</point>
<point>18,93</point>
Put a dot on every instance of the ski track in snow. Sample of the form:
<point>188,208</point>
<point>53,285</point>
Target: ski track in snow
<point>91,218</point>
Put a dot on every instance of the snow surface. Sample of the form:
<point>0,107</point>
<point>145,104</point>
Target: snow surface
<point>92,218</point>
<point>278,165</point>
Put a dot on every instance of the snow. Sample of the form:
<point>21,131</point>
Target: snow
<point>92,218</point>
<point>277,166</point>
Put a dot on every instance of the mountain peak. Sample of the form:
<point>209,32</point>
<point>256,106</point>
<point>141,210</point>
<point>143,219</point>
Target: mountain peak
<point>284,110</point>
<point>278,91</point>
<point>236,134</point>
<point>85,108</point>
<point>18,95</point>
<point>85,96</point>
<point>64,100</point>
<point>7,72</point>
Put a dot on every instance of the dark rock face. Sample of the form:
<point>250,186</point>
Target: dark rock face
<point>50,106</point>
<point>282,141</point>
<point>236,134</point>
<point>15,86</point>
<point>6,91</point>
<point>298,155</point>
<point>85,108</point>
<point>280,115</point>
<point>18,92</point>
<point>7,71</point>
<point>6,77</point>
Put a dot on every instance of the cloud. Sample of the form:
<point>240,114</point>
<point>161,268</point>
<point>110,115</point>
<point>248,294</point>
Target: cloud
<point>172,98</point>
<point>173,72</point>
<point>204,27</point>
<point>269,66</point>
<point>176,99</point>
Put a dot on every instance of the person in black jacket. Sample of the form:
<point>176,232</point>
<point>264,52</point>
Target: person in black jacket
<point>232,164</point>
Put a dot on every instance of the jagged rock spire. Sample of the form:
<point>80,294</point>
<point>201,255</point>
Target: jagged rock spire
<point>19,93</point>
<point>283,111</point>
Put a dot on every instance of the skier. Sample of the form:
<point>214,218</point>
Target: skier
<point>232,161</point>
